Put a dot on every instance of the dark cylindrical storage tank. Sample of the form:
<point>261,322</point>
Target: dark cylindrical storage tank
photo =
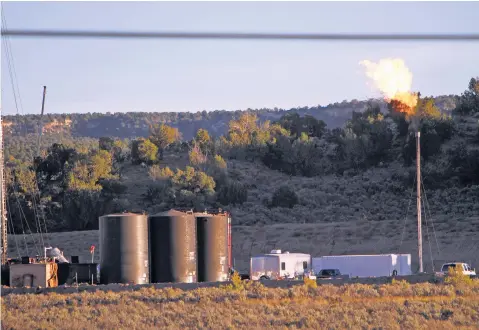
<point>213,246</point>
<point>172,237</point>
<point>124,248</point>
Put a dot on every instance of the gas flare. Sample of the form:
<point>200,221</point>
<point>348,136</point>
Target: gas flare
<point>394,80</point>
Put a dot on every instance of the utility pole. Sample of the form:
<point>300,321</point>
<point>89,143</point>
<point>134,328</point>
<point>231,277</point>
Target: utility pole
<point>419,225</point>
<point>3,206</point>
<point>40,124</point>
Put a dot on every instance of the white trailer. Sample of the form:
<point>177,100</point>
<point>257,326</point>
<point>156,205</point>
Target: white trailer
<point>366,265</point>
<point>277,265</point>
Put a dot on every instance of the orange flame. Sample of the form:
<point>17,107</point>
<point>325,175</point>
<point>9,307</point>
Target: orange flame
<point>394,80</point>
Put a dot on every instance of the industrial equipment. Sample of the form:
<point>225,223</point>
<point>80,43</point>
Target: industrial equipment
<point>124,248</point>
<point>172,241</point>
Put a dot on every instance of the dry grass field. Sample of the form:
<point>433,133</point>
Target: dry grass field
<point>251,306</point>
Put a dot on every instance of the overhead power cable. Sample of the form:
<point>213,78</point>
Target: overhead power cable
<point>11,66</point>
<point>237,35</point>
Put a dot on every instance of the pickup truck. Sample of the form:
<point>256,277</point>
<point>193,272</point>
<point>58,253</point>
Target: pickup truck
<point>465,268</point>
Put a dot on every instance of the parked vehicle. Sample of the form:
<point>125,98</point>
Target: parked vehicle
<point>277,265</point>
<point>465,268</point>
<point>366,265</point>
<point>243,276</point>
<point>328,273</point>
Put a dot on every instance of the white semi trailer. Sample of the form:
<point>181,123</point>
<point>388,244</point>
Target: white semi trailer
<point>365,265</point>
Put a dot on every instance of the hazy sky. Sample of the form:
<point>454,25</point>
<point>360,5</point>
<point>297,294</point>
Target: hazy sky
<point>85,75</point>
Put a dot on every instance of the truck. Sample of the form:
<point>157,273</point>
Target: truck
<point>277,265</point>
<point>462,266</point>
<point>365,265</point>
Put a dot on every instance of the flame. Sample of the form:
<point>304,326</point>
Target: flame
<point>394,80</point>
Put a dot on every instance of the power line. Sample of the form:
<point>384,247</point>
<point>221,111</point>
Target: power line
<point>12,228</point>
<point>235,35</point>
<point>9,53</point>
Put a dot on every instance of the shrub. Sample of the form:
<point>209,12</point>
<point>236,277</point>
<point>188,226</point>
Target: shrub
<point>445,128</point>
<point>157,173</point>
<point>457,278</point>
<point>113,186</point>
<point>284,197</point>
<point>160,191</point>
<point>464,163</point>
<point>232,192</point>
<point>236,281</point>
<point>310,283</point>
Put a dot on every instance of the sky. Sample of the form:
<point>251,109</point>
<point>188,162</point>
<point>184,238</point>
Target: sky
<point>86,75</point>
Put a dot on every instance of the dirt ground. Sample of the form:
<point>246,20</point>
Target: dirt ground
<point>317,239</point>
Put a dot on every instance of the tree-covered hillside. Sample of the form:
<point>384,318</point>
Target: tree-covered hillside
<point>293,168</point>
<point>136,124</point>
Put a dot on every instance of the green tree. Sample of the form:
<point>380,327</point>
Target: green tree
<point>197,157</point>
<point>194,181</point>
<point>143,151</point>
<point>160,173</point>
<point>469,100</point>
<point>246,131</point>
<point>119,151</point>
<point>82,208</point>
<point>162,136</point>
<point>297,125</point>
<point>426,108</point>
<point>247,138</point>
<point>219,162</point>
<point>368,138</point>
<point>105,143</point>
<point>203,139</point>
<point>183,188</point>
<point>87,171</point>
<point>26,178</point>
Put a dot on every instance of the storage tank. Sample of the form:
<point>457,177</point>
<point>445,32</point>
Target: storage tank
<point>213,236</point>
<point>172,237</point>
<point>124,248</point>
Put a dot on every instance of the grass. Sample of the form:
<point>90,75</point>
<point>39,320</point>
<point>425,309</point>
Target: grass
<point>252,306</point>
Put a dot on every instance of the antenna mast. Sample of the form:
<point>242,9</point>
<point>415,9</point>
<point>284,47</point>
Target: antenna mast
<point>40,124</point>
<point>419,225</point>
<point>3,199</point>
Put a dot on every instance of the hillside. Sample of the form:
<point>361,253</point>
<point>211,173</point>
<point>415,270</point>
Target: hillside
<point>371,212</point>
<point>136,124</point>
<point>294,183</point>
